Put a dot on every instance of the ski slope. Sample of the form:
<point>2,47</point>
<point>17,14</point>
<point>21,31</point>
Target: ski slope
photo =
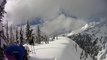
<point>61,49</point>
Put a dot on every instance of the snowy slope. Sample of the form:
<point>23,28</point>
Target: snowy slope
<point>102,55</point>
<point>80,30</point>
<point>61,49</point>
<point>97,36</point>
<point>99,33</point>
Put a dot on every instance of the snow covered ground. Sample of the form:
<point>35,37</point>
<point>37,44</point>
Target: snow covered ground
<point>61,49</point>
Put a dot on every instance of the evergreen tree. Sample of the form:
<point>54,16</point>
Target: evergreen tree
<point>38,35</point>
<point>11,35</point>
<point>7,34</point>
<point>2,9</point>
<point>31,42</point>
<point>46,39</point>
<point>21,36</point>
<point>27,32</point>
<point>16,33</point>
<point>1,15</point>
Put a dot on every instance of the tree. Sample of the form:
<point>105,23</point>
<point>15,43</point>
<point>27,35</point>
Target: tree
<point>7,33</point>
<point>2,9</point>
<point>16,34</point>
<point>11,35</point>
<point>21,35</point>
<point>1,15</point>
<point>46,39</point>
<point>31,42</point>
<point>27,32</point>
<point>38,35</point>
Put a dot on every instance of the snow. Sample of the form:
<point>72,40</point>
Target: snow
<point>62,48</point>
<point>102,55</point>
<point>2,42</point>
<point>98,32</point>
<point>1,25</point>
<point>79,30</point>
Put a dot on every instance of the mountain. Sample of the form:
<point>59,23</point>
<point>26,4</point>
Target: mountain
<point>92,39</point>
<point>79,30</point>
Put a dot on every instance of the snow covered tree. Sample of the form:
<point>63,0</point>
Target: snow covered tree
<point>28,31</point>
<point>38,35</point>
<point>16,34</point>
<point>7,33</point>
<point>12,40</point>
<point>46,39</point>
<point>3,2</point>
<point>2,5</point>
<point>21,35</point>
<point>31,42</point>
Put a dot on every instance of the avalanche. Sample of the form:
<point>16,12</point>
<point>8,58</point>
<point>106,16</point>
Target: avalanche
<point>62,48</point>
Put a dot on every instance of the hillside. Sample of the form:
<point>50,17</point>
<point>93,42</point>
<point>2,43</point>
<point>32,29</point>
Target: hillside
<point>93,39</point>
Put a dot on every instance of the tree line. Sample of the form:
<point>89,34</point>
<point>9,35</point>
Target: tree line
<point>22,36</point>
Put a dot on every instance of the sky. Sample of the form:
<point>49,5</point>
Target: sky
<point>55,15</point>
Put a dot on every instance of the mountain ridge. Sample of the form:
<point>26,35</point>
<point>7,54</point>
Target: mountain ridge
<point>92,39</point>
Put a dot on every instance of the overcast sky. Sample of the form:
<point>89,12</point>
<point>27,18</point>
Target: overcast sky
<point>19,11</point>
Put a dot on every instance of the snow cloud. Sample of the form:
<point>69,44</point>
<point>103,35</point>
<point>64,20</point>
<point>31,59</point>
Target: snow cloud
<point>19,11</point>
